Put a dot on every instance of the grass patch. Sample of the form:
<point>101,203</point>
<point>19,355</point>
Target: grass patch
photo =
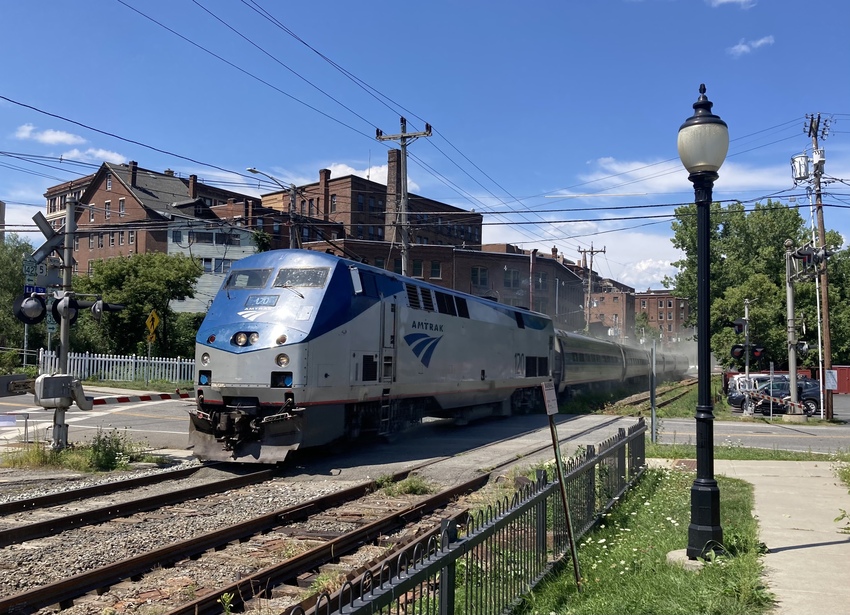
<point>412,485</point>
<point>624,561</point>
<point>108,451</point>
<point>732,450</point>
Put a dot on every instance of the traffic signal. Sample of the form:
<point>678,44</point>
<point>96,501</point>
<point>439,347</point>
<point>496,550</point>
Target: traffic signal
<point>759,352</point>
<point>100,306</point>
<point>738,351</point>
<point>69,306</point>
<point>739,325</point>
<point>822,254</point>
<point>29,308</point>
<point>806,254</point>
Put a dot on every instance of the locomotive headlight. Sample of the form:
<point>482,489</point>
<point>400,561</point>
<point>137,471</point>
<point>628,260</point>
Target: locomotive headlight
<point>240,338</point>
<point>281,340</point>
<point>205,359</point>
<point>253,338</point>
<point>282,360</point>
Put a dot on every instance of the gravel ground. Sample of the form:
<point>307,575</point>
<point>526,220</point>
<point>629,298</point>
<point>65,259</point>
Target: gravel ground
<point>52,558</point>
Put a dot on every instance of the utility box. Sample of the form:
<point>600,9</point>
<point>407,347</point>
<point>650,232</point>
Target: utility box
<point>54,391</point>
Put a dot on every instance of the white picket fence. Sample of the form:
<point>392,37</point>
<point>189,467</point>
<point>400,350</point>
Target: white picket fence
<point>87,366</point>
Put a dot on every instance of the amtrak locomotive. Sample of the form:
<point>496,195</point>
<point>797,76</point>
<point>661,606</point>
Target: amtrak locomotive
<point>301,348</point>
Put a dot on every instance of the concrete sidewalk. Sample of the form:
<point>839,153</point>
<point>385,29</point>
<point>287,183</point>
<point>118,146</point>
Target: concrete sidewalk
<point>796,503</point>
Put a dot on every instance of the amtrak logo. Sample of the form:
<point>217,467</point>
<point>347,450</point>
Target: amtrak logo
<point>422,345</point>
<point>251,315</point>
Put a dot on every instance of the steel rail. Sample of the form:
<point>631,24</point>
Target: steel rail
<point>23,533</point>
<point>63,592</point>
<point>86,492</point>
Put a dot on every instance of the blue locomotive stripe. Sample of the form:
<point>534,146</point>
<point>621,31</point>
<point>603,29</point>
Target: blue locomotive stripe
<point>422,345</point>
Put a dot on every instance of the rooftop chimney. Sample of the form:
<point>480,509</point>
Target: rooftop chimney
<point>193,188</point>
<point>134,167</point>
<point>169,172</point>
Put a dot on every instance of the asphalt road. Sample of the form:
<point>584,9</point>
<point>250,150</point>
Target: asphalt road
<point>164,425</point>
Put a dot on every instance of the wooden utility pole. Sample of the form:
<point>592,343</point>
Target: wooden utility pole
<point>588,299</point>
<point>818,160</point>
<point>403,138</point>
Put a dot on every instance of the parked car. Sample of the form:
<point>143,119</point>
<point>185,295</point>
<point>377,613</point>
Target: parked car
<point>740,387</point>
<point>808,394</point>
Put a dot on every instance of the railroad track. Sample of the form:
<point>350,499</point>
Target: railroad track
<point>275,528</point>
<point>663,398</point>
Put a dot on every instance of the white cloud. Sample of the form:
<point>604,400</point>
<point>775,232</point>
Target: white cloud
<point>744,4</point>
<point>94,154</point>
<point>28,132</point>
<point>745,47</point>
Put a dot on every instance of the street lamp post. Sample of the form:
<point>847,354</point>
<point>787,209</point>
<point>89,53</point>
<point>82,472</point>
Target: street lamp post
<point>703,143</point>
<point>294,240</point>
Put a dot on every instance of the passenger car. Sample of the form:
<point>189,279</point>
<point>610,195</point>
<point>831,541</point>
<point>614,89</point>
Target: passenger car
<point>739,388</point>
<point>808,394</point>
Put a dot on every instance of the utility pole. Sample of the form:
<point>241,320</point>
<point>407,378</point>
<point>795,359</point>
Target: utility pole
<point>403,138</point>
<point>818,159</point>
<point>60,428</point>
<point>294,235</point>
<point>591,251</point>
<point>747,340</point>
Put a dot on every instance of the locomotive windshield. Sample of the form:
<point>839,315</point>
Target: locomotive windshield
<point>313,277</point>
<point>247,278</point>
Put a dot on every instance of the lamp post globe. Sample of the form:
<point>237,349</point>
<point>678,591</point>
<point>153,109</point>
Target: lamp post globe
<point>703,143</point>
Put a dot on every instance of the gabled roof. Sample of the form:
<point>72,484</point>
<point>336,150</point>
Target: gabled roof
<point>155,191</point>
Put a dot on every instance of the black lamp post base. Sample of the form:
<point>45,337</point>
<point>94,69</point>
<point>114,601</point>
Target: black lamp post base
<point>704,531</point>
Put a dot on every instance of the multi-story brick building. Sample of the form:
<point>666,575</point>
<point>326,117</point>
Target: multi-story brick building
<point>667,312</point>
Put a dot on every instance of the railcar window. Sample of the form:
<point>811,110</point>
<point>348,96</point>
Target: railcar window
<point>247,278</point>
<point>291,277</point>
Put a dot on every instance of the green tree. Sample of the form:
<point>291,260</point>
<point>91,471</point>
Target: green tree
<point>262,241</point>
<point>12,254</point>
<point>747,260</point>
<point>142,282</point>
<point>644,330</point>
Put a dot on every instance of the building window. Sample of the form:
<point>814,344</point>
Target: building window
<point>660,315</point>
<point>359,202</point>
<point>661,303</point>
<point>511,278</point>
<point>669,303</point>
<point>333,203</point>
<point>112,239</point>
<point>121,211</point>
<point>91,241</point>
<point>643,304</point>
<point>479,277</point>
<point>541,281</point>
<point>312,207</point>
<point>359,231</point>
<point>109,181</point>
<point>436,270</point>
<point>397,265</point>
<point>417,268</point>
<point>176,236</point>
<point>121,238</point>
<point>305,233</point>
<point>222,265</point>
<point>380,205</point>
<point>616,298</point>
<point>107,206</point>
<point>669,327</point>
<point>379,263</point>
<point>131,237</point>
<point>303,207</point>
<point>91,212</point>
<point>100,240</point>
<point>380,233</point>
<point>669,315</point>
<point>76,243</point>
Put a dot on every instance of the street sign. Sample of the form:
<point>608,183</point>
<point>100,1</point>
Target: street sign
<point>152,322</point>
<point>34,289</point>
<point>52,325</point>
<point>30,270</point>
<point>151,338</point>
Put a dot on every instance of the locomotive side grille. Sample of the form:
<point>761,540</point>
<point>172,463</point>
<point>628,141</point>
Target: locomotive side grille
<point>413,296</point>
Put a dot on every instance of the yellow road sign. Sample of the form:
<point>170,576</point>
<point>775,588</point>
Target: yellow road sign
<point>151,338</point>
<point>152,322</point>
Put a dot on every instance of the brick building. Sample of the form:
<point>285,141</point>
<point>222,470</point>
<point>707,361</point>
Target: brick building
<point>667,312</point>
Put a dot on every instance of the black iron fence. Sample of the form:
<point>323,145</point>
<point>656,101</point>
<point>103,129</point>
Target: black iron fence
<point>485,563</point>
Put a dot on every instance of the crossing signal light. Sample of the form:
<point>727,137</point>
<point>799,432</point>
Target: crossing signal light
<point>739,325</point>
<point>802,348</point>
<point>806,254</point>
<point>759,352</point>
<point>29,308</point>
<point>822,254</point>
<point>100,306</point>
<point>738,351</point>
<point>69,306</point>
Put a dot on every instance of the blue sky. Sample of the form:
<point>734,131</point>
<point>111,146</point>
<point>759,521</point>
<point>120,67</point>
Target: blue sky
<point>528,101</point>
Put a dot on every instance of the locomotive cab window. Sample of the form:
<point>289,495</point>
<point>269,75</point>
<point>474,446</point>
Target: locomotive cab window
<point>247,278</point>
<point>291,277</point>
